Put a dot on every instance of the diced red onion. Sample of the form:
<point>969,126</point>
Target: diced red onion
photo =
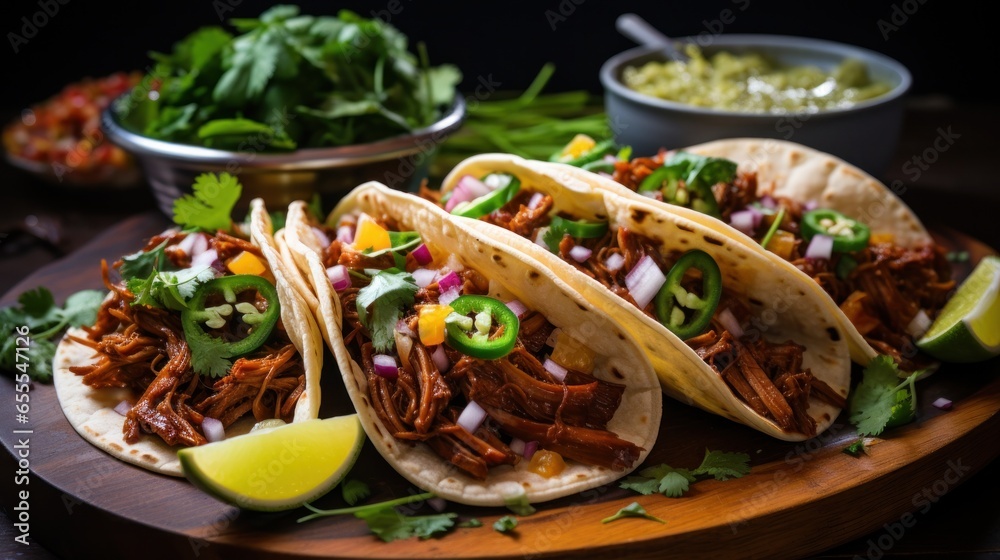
<point>385,366</point>
<point>187,243</point>
<point>614,262</point>
<point>557,371</point>
<point>468,188</point>
<point>440,358</point>
<point>942,403</point>
<point>213,429</point>
<point>339,277</point>
<point>530,448</point>
<point>768,202</point>
<point>821,247</point>
<point>194,244</point>
<point>644,280</point>
<point>123,408</point>
<point>729,321</point>
<point>450,280</point>
<point>605,174</point>
<point>535,200</point>
<point>743,221</point>
<point>403,327</point>
<point>471,417</point>
<point>322,237</point>
<point>517,308</point>
<point>205,258</point>
<point>580,253</point>
<point>919,324</point>
<point>219,267</point>
<point>448,296</point>
<point>345,234</point>
<point>437,504</point>
<point>422,254</point>
<point>424,277</point>
<point>517,446</point>
<point>810,205</point>
<point>655,195</point>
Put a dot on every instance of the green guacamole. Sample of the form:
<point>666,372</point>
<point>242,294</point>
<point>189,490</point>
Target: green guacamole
<point>752,83</point>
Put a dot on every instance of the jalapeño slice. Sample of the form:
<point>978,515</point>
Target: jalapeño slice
<point>848,234</point>
<point>673,299</point>
<point>505,187</point>
<point>581,229</point>
<point>218,316</point>
<point>481,345</point>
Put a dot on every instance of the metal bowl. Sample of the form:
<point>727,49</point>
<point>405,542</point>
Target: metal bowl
<point>865,134</point>
<point>279,178</point>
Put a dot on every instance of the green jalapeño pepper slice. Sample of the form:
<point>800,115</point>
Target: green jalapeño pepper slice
<point>477,343</point>
<point>673,298</point>
<point>505,187</point>
<point>695,195</point>
<point>581,229</point>
<point>848,234</point>
<point>209,353</point>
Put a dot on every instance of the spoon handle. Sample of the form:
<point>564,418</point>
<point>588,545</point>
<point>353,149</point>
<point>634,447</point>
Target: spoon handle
<point>640,31</point>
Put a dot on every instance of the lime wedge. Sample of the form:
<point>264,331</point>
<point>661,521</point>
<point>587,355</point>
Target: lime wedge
<point>968,327</point>
<point>278,468</point>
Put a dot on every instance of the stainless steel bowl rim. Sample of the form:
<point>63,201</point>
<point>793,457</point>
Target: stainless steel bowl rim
<point>610,80</point>
<point>425,138</point>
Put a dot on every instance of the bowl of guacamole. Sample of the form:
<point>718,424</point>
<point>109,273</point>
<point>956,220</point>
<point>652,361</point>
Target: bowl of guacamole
<point>834,97</point>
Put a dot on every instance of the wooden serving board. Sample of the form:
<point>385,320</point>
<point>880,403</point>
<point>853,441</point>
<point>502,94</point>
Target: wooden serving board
<point>799,498</point>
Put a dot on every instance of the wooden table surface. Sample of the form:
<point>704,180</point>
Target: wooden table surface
<point>958,189</point>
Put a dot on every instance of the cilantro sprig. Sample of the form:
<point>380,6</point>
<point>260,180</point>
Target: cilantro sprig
<point>210,206</point>
<point>37,310</point>
<point>674,482</point>
<point>386,296</point>
<point>632,510</point>
<point>389,524</point>
<point>881,400</point>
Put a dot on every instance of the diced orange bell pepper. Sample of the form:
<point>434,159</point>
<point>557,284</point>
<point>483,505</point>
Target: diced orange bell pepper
<point>246,263</point>
<point>370,235</point>
<point>579,145</point>
<point>430,323</point>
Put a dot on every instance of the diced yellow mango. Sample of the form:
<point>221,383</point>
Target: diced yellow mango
<point>579,145</point>
<point>246,263</point>
<point>877,238</point>
<point>370,235</point>
<point>571,354</point>
<point>430,323</point>
<point>546,463</point>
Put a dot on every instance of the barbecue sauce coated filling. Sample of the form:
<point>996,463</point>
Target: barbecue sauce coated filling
<point>422,400</point>
<point>142,348</point>
<point>765,375</point>
<point>880,288</point>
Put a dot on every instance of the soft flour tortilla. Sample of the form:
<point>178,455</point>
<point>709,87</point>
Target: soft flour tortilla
<point>803,174</point>
<point>91,411</point>
<point>785,306</point>
<point>512,276</point>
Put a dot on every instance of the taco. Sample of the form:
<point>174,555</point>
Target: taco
<point>476,374</point>
<point>168,364</point>
<point>725,329</point>
<point>867,252</point>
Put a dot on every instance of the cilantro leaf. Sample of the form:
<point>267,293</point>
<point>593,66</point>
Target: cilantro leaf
<point>505,524</point>
<point>143,263</point>
<point>390,525</point>
<point>723,466</point>
<point>387,294</point>
<point>553,236</point>
<point>210,206</point>
<point>673,482</point>
<point>208,358</point>
<point>354,491</point>
<point>518,503</point>
<point>871,404</point>
<point>38,312</point>
<point>632,510</point>
<point>471,523</point>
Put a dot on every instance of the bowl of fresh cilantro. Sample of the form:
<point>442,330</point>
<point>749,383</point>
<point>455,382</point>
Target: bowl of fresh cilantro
<point>298,106</point>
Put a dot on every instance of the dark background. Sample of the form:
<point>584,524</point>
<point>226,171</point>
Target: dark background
<point>947,45</point>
